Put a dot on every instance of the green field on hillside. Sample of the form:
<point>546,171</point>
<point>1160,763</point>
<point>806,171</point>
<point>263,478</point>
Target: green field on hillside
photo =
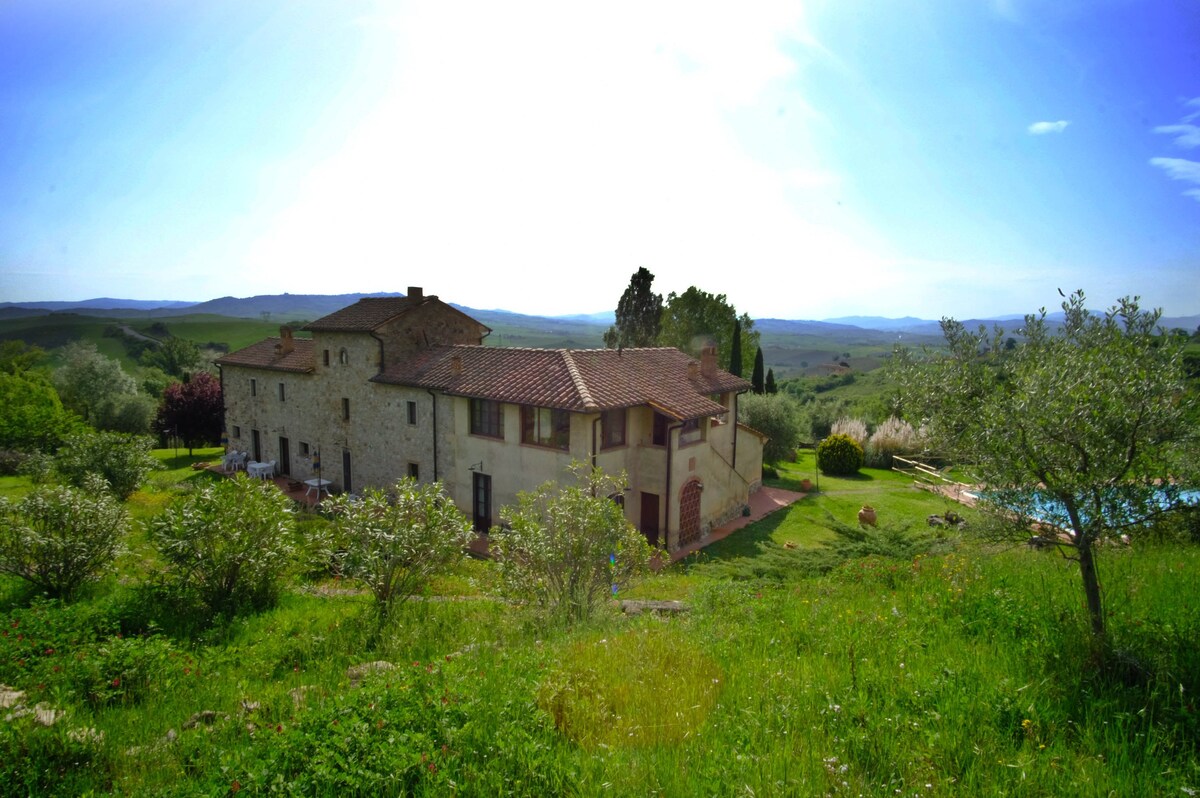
<point>51,332</point>
<point>962,669</point>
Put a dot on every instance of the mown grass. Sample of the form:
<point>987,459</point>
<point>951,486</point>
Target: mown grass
<point>966,672</point>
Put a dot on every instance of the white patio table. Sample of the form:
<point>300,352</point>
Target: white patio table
<point>261,470</point>
<point>318,485</point>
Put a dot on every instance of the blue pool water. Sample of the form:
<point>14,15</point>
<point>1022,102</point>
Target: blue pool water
<point>1122,508</point>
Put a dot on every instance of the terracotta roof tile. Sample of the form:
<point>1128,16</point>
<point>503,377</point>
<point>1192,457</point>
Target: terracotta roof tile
<point>262,355</point>
<point>364,315</point>
<point>570,379</point>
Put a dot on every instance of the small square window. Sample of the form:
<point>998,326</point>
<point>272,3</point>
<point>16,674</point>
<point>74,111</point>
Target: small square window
<point>303,449</point>
<point>345,409</point>
<point>237,431</point>
<point>414,471</point>
<point>412,412</point>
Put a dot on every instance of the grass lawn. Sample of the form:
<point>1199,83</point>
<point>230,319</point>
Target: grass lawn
<point>965,673</point>
<point>807,524</point>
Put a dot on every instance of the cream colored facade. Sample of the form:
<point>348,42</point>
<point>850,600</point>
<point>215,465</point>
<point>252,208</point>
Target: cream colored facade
<point>318,397</point>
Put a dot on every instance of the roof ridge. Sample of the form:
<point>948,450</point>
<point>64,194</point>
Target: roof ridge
<point>588,402</point>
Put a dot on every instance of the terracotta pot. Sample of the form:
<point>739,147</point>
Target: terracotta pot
<point>806,484</point>
<point>866,516</point>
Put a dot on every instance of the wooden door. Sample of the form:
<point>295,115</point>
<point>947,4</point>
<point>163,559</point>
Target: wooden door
<point>650,517</point>
<point>481,501</point>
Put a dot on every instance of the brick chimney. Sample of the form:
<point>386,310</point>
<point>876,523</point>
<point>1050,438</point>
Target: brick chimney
<point>416,292</point>
<point>693,370</point>
<point>708,361</point>
<point>456,364</point>
<point>286,342</point>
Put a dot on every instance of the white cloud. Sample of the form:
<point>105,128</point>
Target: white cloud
<point>1187,136</point>
<point>1192,103</point>
<point>1181,169</point>
<point>1042,128</point>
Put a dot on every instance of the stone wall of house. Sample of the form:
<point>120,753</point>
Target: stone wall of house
<point>432,323</point>
<point>377,434</point>
<point>383,443</point>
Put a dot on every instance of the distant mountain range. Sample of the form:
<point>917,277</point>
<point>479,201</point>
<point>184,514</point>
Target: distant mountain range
<point>291,307</point>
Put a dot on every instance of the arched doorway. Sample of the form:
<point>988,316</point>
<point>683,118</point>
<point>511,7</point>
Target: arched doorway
<point>689,512</point>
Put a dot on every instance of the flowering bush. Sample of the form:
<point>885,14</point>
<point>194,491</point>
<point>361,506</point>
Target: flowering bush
<point>57,537</point>
<point>394,542</point>
<point>123,460</point>
<point>229,543</point>
<point>568,547</point>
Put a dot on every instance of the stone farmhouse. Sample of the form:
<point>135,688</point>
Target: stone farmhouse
<point>395,387</point>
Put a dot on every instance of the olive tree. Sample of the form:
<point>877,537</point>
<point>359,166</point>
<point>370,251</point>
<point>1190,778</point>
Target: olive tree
<point>568,547</point>
<point>1085,428</point>
<point>58,537</point>
<point>229,543</point>
<point>779,417</point>
<point>395,541</point>
<point>99,390</point>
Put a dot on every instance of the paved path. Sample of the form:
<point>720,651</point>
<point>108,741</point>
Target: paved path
<point>763,502</point>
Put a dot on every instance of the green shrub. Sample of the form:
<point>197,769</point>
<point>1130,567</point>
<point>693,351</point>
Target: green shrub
<point>123,460</point>
<point>123,669</point>
<point>568,548</point>
<point>395,542</point>
<point>229,543</point>
<point>57,538</point>
<point>839,455</point>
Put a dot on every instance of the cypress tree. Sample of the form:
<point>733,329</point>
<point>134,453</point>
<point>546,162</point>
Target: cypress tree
<point>735,354</point>
<point>756,379</point>
<point>769,385</point>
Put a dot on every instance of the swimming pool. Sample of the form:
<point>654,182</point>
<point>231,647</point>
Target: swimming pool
<point>1120,507</point>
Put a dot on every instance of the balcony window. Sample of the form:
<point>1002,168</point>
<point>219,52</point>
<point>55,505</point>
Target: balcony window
<point>692,431</point>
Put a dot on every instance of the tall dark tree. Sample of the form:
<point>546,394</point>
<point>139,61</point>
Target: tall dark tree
<point>696,318</point>
<point>639,314</point>
<point>192,410</point>
<point>769,386</point>
<point>756,378</point>
<point>735,350</point>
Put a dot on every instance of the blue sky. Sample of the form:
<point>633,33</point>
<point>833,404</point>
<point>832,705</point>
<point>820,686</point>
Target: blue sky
<point>807,159</point>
